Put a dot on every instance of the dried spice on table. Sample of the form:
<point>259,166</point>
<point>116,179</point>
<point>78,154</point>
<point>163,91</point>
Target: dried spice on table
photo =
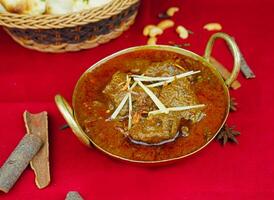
<point>180,45</point>
<point>19,160</point>
<point>63,127</point>
<point>37,124</point>
<point>190,31</point>
<point>228,134</point>
<point>233,104</point>
<point>163,15</point>
<point>245,68</point>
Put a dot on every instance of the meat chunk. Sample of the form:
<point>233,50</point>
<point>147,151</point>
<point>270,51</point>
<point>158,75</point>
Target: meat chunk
<point>159,128</point>
<point>117,89</point>
<point>155,129</point>
<point>160,69</point>
<point>179,93</point>
<point>142,103</point>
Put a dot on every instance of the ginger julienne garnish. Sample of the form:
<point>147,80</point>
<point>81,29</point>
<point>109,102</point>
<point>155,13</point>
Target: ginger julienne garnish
<point>129,103</point>
<point>181,108</point>
<point>123,102</point>
<point>154,82</point>
<point>173,78</point>
<point>169,78</point>
<point>119,108</point>
<point>154,98</point>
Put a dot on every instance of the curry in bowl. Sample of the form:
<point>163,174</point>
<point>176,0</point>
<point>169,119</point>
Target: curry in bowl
<point>150,105</point>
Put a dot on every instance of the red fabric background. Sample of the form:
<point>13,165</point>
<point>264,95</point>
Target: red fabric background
<point>29,80</point>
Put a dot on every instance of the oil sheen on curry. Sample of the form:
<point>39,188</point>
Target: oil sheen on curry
<point>150,105</point>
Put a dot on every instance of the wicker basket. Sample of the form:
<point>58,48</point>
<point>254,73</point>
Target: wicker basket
<point>71,32</point>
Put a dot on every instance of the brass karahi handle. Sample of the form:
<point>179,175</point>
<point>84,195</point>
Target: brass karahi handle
<point>234,50</point>
<point>67,113</point>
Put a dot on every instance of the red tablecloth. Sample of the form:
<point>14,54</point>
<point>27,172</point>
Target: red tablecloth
<point>29,80</point>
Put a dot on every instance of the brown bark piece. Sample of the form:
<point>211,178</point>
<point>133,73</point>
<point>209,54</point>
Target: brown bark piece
<point>224,72</point>
<point>37,124</point>
<point>18,161</point>
<point>73,196</point>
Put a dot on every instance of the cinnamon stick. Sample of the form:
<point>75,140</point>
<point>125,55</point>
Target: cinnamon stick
<point>73,195</point>
<point>18,161</point>
<point>37,124</point>
<point>224,72</point>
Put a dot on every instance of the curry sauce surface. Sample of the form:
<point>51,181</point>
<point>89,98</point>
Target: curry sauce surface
<point>108,135</point>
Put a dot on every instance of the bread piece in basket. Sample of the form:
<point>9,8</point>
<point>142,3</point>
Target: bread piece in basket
<point>32,7</point>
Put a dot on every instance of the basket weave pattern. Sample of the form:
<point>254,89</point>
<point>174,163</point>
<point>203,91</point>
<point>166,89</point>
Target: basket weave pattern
<point>71,32</point>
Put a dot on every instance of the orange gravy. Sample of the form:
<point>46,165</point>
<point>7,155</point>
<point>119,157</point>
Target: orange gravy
<point>208,88</point>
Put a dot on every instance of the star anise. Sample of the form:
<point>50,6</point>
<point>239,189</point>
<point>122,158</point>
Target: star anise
<point>233,104</point>
<point>228,134</point>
